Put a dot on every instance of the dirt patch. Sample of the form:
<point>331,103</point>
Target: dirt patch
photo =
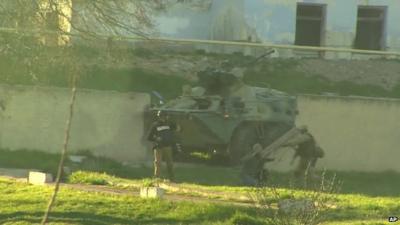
<point>169,196</point>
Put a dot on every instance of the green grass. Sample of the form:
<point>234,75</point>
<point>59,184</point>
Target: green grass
<point>132,80</point>
<point>384,183</point>
<point>360,201</point>
<point>92,178</point>
<point>46,66</point>
<point>25,204</point>
<point>351,208</point>
<point>281,74</point>
<point>122,80</point>
<point>372,184</point>
<point>24,159</point>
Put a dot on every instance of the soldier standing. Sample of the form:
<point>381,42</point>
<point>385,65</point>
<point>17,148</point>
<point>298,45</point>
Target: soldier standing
<point>162,133</point>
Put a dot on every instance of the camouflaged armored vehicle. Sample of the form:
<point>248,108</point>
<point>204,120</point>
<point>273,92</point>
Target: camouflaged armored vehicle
<point>224,115</point>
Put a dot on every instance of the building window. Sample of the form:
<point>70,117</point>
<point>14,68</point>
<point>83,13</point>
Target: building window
<point>310,24</point>
<point>371,29</point>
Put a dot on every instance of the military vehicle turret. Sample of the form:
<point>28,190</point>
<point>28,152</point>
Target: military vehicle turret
<point>225,115</point>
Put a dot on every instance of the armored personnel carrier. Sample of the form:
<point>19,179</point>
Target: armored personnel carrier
<point>225,115</point>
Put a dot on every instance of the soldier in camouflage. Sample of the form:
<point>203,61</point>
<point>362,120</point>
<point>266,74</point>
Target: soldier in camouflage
<point>253,172</point>
<point>307,150</point>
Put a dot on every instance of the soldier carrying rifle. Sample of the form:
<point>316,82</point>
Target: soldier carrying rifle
<point>304,145</point>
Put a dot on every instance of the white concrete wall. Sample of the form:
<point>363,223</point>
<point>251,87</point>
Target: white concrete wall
<point>108,123</point>
<point>360,134</point>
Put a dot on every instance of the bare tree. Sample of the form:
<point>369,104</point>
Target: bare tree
<point>37,34</point>
<point>86,16</point>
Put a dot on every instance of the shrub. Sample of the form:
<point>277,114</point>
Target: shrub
<point>81,177</point>
<point>294,208</point>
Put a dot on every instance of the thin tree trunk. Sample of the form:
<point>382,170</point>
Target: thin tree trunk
<point>64,152</point>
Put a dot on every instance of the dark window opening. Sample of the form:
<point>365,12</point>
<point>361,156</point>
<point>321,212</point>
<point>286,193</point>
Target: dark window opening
<point>310,24</point>
<point>370,34</point>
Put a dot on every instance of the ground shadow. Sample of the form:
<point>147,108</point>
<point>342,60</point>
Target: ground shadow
<point>384,183</point>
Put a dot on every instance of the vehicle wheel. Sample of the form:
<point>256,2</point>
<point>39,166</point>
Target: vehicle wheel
<point>246,136</point>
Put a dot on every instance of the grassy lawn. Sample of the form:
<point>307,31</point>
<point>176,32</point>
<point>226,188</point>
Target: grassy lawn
<point>24,204</point>
<point>123,80</point>
<point>284,77</point>
<point>384,183</point>
<point>360,201</point>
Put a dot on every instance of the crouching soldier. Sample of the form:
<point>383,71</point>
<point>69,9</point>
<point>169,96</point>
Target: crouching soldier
<point>308,151</point>
<point>253,172</point>
<point>162,134</point>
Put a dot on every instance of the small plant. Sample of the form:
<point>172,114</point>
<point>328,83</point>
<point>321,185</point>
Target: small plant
<point>148,183</point>
<point>81,177</point>
<point>152,182</point>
